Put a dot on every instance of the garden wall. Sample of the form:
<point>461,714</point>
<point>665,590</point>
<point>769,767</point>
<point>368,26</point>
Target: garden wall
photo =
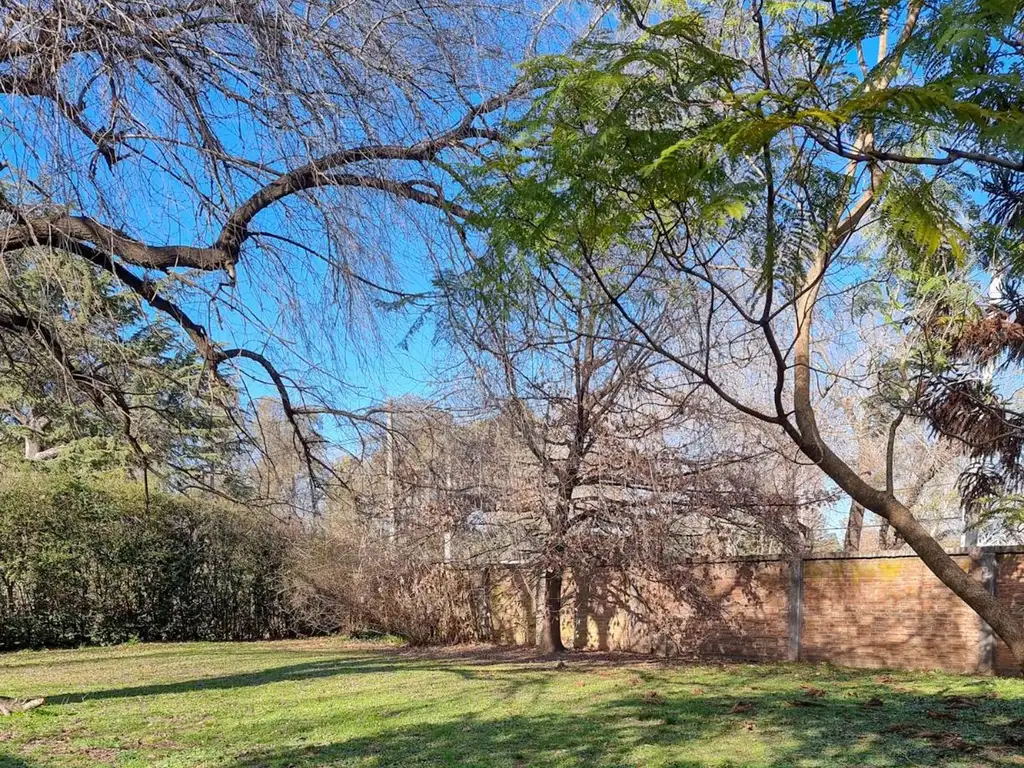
<point>879,610</point>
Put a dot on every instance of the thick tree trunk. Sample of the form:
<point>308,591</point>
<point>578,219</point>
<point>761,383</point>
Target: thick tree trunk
<point>551,631</point>
<point>884,504</point>
<point>984,603</point>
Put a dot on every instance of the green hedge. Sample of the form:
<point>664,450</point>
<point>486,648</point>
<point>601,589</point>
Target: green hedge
<point>88,561</point>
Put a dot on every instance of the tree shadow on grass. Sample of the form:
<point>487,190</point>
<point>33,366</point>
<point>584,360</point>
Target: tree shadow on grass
<point>468,666</point>
<point>311,670</point>
<point>685,731</point>
<point>13,761</point>
<point>62,657</point>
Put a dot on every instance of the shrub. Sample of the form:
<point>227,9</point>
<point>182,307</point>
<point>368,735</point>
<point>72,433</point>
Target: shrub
<point>359,586</point>
<point>90,561</point>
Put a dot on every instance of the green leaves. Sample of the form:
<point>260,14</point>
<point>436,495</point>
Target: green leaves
<point>689,134</point>
<point>103,331</point>
<point>920,218</point>
<point>602,145</point>
<point>101,560</point>
<point>853,22</point>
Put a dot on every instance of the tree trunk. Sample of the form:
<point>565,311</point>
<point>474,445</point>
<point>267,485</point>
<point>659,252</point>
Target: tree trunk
<point>1003,622</point>
<point>32,447</point>
<point>854,527</point>
<point>551,631</point>
<point>808,438</point>
<point>581,613</point>
<point>884,532</point>
<point>995,614</point>
<point>883,535</point>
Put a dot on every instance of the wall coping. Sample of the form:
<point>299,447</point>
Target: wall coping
<point>976,552</point>
<point>996,549</point>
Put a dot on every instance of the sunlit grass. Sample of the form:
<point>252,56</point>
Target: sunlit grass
<point>330,703</point>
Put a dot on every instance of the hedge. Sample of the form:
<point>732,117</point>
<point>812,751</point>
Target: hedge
<point>89,561</point>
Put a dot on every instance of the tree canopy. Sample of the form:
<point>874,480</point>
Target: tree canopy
<point>793,167</point>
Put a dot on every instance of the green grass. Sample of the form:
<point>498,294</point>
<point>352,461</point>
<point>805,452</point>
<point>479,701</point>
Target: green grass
<point>328,703</point>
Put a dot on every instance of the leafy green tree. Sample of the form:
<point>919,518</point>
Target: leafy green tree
<point>119,390</point>
<point>789,164</point>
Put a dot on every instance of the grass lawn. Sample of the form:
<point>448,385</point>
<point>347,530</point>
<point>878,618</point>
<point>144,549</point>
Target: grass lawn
<point>328,703</point>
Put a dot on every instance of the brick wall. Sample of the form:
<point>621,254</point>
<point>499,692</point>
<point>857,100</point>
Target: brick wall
<point>864,611</point>
<point>1009,588</point>
<point>886,612</point>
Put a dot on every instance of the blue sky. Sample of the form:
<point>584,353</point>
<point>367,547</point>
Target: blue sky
<point>360,366</point>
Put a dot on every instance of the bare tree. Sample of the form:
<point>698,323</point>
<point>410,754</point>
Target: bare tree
<point>239,170</point>
<point>615,470</point>
<point>562,386</point>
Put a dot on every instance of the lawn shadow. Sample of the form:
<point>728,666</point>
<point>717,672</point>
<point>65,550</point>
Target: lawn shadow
<point>13,761</point>
<point>467,663</point>
<point>311,670</point>
<point>774,730</point>
<point>750,714</point>
<point>64,657</point>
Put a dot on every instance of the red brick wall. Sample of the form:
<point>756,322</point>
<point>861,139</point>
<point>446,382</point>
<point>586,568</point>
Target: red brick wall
<point>513,594</point>
<point>715,611</point>
<point>712,610</point>
<point>1010,591</point>
<point>886,612</point>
